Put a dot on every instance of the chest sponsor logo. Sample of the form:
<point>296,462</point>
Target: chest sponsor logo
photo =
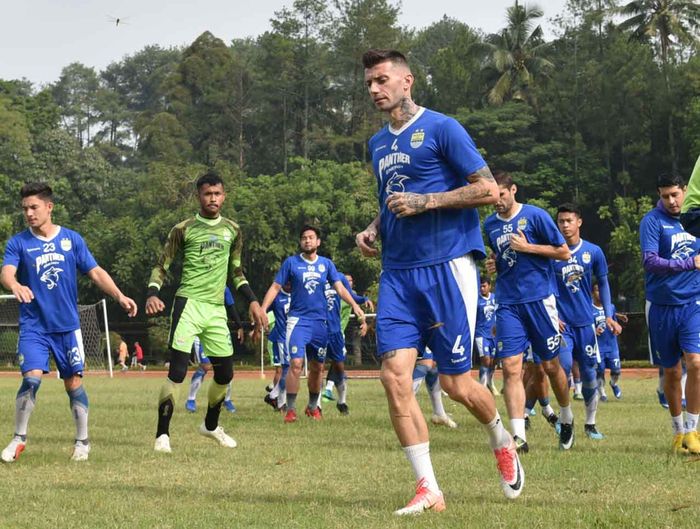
<point>311,278</point>
<point>682,245</point>
<point>509,255</point>
<point>571,274</point>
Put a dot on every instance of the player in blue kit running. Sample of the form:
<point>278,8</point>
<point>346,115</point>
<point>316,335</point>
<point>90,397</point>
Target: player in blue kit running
<point>607,346</point>
<point>39,269</point>
<point>485,340</point>
<point>277,397</point>
<point>672,284</point>
<point>335,350</point>
<point>526,241</point>
<point>307,320</point>
<point>575,284</point>
<point>430,179</point>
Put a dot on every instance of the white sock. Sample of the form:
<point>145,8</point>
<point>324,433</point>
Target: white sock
<point>677,424</point>
<point>547,410</point>
<point>419,458</point>
<point>518,426</point>
<point>195,384</point>
<point>498,435</point>
<point>591,409</point>
<point>275,391</point>
<point>566,416</point>
<point>691,422</point>
<point>660,387</point>
<point>436,400</point>
<point>281,399</point>
<point>329,385</point>
<point>416,384</point>
<point>342,392</point>
<point>228,393</point>
<point>578,386</point>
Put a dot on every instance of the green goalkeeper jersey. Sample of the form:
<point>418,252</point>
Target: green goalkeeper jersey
<point>211,254</point>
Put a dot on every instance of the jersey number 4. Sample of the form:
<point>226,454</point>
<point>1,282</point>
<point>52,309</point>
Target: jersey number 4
<point>457,348</point>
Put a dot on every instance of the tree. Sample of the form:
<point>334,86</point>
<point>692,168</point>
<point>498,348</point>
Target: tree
<point>76,94</point>
<point>516,54</point>
<point>668,23</point>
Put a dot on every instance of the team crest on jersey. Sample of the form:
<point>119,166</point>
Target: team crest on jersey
<point>66,245</point>
<point>586,258</point>
<point>227,236</point>
<point>522,223</point>
<point>321,268</point>
<point>294,349</point>
<point>417,138</point>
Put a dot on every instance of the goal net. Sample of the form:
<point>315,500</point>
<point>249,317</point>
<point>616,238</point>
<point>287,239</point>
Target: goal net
<point>93,325</point>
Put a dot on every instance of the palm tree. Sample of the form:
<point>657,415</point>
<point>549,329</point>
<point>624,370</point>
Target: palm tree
<point>668,23</point>
<point>516,54</point>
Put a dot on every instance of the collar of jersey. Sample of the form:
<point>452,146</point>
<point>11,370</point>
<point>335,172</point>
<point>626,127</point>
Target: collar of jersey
<point>578,247</point>
<point>210,222</point>
<point>307,261</point>
<point>46,239</point>
<point>520,208</point>
<point>407,124</point>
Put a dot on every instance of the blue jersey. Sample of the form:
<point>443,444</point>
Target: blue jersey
<point>333,300</point>
<point>664,235</point>
<point>430,154</point>
<point>523,277</point>
<point>485,315</point>
<point>48,267</point>
<point>575,282</point>
<point>280,308</point>
<point>308,280</point>
<point>607,341</point>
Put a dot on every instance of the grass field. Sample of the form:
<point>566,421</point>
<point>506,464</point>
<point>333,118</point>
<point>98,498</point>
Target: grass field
<point>343,472</point>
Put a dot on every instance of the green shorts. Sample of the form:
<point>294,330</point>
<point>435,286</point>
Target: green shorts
<point>192,318</point>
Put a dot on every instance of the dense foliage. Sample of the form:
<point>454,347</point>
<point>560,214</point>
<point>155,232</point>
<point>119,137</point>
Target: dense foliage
<point>591,115</point>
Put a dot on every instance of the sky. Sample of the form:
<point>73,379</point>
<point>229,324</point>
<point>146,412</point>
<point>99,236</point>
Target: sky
<point>39,37</point>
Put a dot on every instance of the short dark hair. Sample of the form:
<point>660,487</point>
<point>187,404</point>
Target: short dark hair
<point>503,179</point>
<point>309,227</point>
<point>211,178</point>
<point>41,190</point>
<point>669,180</point>
<point>569,207</point>
<point>376,56</point>
<point>485,279</point>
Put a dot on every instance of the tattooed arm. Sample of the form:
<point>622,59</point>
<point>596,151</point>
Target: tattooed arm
<point>481,191</point>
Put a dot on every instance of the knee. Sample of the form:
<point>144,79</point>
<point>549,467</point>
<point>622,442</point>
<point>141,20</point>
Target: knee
<point>177,371</point>
<point>72,383</point>
<point>692,362</point>
<point>396,383</point>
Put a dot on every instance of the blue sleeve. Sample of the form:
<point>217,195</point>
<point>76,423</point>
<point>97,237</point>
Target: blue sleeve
<point>605,296</point>
<point>282,277</point>
<point>649,235</point>
<point>333,274</point>
<point>13,253</point>
<point>459,149</point>
<point>228,297</point>
<point>83,258</point>
<point>600,264</point>
<point>548,230</point>
<point>358,299</point>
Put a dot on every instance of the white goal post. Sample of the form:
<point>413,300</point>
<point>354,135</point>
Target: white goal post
<point>98,350</point>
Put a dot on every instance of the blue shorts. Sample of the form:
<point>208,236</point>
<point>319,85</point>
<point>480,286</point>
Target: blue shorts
<point>335,351</point>
<point>34,348</point>
<point>536,322</point>
<point>610,360</point>
<point>433,306</point>
<point>485,346</point>
<point>673,330</point>
<point>424,354</point>
<point>580,344</point>
<point>308,337</point>
<point>277,351</point>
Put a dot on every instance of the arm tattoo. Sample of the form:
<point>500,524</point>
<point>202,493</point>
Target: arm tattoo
<point>481,174</point>
<point>417,202</point>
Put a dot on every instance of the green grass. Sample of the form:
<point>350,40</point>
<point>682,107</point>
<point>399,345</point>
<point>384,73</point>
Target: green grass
<point>344,472</point>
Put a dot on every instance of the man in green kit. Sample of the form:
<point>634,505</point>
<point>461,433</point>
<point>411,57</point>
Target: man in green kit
<point>690,211</point>
<point>210,246</point>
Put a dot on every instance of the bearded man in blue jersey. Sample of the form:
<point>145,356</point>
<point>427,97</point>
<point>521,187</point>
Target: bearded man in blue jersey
<point>39,269</point>
<point>430,178</point>
<point>672,284</point>
<point>525,241</point>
